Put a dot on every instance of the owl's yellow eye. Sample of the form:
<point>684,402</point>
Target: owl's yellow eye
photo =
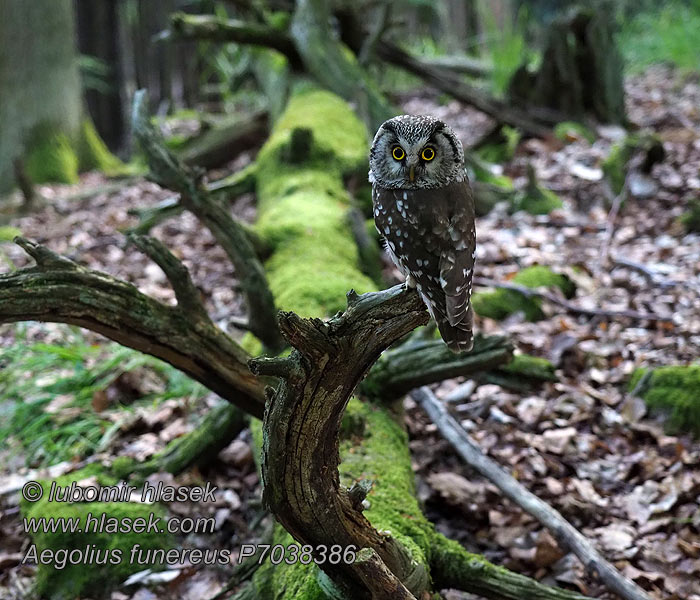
<point>398,153</point>
<point>428,154</point>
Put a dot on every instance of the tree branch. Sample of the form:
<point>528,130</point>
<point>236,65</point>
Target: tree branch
<point>171,173</point>
<point>450,83</point>
<point>563,531</point>
<point>414,364</point>
<point>187,295</point>
<point>217,29</point>
<point>300,448</point>
<point>60,291</point>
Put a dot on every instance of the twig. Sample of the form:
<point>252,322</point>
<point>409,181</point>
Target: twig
<point>452,84</point>
<point>650,275</point>
<point>572,308</point>
<point>565,533</point>
<point>188,297</point>
<point>615,206</point>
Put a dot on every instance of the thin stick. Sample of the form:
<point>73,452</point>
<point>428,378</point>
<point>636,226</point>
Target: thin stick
<point>615,206</point>
<point>570,307</point>
<point>651,275</point>
<point>565,533</point>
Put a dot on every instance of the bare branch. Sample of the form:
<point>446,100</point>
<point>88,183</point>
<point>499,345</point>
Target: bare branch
<point>188,296</point>
<point>171,173</point>
<point>216,29</point>
<point>565,533</point>
<point>60,291</point>
<point>452,84</point>
<point>301,428</point>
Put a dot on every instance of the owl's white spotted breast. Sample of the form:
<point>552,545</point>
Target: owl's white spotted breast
<point>430,235</point>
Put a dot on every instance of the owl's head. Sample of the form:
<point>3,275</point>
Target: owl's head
<point>415,152</point>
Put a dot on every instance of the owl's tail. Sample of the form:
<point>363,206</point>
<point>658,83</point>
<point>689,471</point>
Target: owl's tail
<point>458,337</point>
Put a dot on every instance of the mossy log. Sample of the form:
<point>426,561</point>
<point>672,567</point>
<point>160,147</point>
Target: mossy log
<point>581,73</point>
<point>413,364</point>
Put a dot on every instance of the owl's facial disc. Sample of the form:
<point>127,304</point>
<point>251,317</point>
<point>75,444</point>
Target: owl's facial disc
<point>415,152</point>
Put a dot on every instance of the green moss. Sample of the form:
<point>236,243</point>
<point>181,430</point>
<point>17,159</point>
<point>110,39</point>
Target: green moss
<point>93,153</point>
<point>122,467</point>
<point>340,140</point>
<point>535,199</point>
<point>674,391</point>
<point>504,149</point>
<point>303,206</point>
<point>531,367</point>
<point>501,303</point>
<point>691,218</point>
<point>8,233</point>
<point>480,170</point>
<point>383,457</point>
<point>50,156</point>
<point>59,581</point>
<point>615,164</point>
<point>568,131</point>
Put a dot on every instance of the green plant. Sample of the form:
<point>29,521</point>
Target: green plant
<point>47,392</point>
<point>670,32</point>
<point>507,45</point>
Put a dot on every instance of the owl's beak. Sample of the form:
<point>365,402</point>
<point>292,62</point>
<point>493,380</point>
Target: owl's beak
<point>411,173</point>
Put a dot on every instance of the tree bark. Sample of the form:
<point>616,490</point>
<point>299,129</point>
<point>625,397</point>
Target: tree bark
<point>38,77</point>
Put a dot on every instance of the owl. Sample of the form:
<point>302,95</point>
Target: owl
<point>424,210</point>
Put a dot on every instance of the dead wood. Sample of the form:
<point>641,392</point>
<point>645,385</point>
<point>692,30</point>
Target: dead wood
<point>169,172</point>
<point>60,291</point>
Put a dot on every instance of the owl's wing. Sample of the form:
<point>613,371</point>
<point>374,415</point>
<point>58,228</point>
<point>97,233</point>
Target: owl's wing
<point>458,253</point>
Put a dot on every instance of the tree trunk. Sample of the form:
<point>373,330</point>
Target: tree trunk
<point>581,72</point>
<point>40,85</point>
<point>98,38</point>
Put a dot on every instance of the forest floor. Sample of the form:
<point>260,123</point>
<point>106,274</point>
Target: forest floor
<point>583,444</point>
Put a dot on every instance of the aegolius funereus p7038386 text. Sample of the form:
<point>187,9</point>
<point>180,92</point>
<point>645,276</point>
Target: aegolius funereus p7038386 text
<point>424,210</point>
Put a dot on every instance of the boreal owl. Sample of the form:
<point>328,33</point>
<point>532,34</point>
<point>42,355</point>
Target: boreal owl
<point>424,210</point>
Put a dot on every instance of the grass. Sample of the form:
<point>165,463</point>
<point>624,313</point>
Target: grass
<point>35,375</point>
<point>507,46</point>
<point>667,34</point>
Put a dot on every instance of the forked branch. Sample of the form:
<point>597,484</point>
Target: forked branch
<point>169,172</point>
<point>60,291</point>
